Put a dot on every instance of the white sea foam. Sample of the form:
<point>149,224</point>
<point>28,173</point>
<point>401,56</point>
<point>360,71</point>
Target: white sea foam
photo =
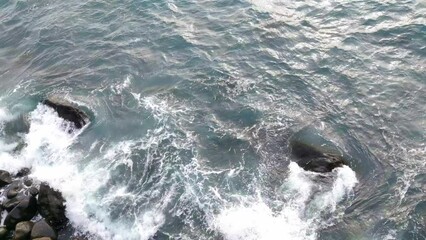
<point>119,88</point>
<point>253,218</point>
<point>7,147</point>
<point>258,222</point>
<point>148,223</point>
<point>342,186</point>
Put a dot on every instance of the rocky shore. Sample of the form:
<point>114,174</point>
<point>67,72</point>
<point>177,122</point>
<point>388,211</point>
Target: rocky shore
<point>31,209</point>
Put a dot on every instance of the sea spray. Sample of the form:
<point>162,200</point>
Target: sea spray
<point>5,115</point>
<point>50,154</point>
<point>254,219</point>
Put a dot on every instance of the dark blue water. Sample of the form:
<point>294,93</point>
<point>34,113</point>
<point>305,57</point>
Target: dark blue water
<point>193,103</point>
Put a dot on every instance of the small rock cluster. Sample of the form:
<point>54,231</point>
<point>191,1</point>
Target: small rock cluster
<point>32,210</point>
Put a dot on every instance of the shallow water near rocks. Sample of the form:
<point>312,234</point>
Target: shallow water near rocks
<point>192,104</point>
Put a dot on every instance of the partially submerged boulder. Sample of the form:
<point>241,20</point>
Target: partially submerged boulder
<point>68,112</point>
<point>314,153</point>
<point>51,206</point>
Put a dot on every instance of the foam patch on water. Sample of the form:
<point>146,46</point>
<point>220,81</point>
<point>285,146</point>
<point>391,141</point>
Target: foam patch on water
<point>163,108</point>
<point>119,88</point>
<point>254,218</point>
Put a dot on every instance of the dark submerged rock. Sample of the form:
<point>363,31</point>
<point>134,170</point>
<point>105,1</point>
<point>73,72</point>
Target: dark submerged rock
<point>42,229</point>
<point>69,113</point>
<point>314,153</point>
<point>23,230</point>
<point>23,172</point>
<point>312,160</point>
<point>5,178</point>
<point>52,206</point>
<point>24,211</point>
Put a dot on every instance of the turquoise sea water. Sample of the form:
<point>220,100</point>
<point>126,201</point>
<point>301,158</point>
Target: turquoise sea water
<point>192,104</point>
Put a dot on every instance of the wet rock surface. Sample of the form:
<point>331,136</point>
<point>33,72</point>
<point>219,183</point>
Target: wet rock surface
<point>3,232</point>
<point>314,160</point>
<point>314,153</point>
<point>43,229</point>
<point>28,182</point>
<point>9,204</point>
<point>68,112</point>
<point>33,191</point>
<point>23,230</point>
<point>23,172</point>
<point>24,211</point>
<point>13,189</point>
<point>51,206</point>
<point>5,178</point>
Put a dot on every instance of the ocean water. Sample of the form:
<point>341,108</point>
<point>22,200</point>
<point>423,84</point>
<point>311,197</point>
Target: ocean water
<point>192,104</point>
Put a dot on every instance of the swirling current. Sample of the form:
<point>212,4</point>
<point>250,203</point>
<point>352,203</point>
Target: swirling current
<point>192,105</point>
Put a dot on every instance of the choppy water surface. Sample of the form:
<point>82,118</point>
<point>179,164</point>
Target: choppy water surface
<point>192,105</point>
